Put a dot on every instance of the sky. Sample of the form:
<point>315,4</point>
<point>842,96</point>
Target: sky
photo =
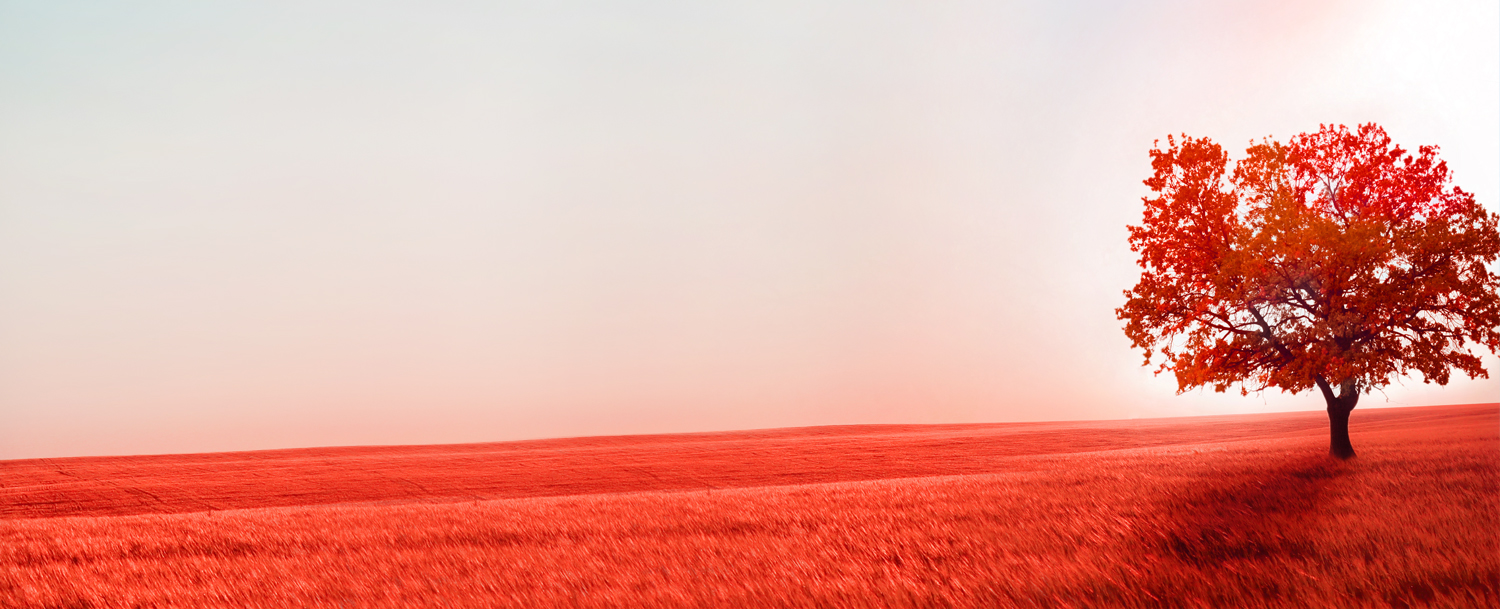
<point>237,226</point>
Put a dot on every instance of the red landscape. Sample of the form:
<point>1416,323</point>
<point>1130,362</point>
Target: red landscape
<point>1192,512</point>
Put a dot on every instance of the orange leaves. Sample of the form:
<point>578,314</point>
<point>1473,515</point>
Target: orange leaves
<point>1337,255</point>
<point>1194,211</point>
<point>1362,174</point>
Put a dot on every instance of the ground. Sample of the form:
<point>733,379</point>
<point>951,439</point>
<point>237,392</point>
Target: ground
<point>1196,512</point>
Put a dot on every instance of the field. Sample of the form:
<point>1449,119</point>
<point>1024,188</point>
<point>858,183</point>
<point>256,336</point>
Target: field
<point>1195,512</point>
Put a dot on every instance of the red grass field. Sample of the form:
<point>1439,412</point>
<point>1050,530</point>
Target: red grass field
<point>1201,512</point>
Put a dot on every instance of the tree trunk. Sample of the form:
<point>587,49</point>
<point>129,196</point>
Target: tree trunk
<point>1339,408</point>
<point>1338,426</point>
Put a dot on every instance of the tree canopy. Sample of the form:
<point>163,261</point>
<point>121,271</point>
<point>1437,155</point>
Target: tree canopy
<point>1336,259</point>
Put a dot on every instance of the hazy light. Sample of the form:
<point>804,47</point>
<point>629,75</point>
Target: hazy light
<point>256,227</point>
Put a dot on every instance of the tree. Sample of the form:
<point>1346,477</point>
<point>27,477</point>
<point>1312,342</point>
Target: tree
<point>1336,260</point>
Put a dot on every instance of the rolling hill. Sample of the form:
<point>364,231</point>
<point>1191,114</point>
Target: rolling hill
<point>1205,511</point>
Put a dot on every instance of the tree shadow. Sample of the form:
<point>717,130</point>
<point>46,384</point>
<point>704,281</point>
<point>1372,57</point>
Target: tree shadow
<point>1257,516</point>
<point>1222,541</point>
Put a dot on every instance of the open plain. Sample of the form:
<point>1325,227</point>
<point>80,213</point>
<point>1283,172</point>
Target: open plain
<point>1193,512</point>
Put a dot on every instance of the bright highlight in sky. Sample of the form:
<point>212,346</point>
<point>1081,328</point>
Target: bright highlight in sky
<point>228,228</point>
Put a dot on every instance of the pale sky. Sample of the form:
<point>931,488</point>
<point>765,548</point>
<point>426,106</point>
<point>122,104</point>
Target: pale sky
<point>230,226</point>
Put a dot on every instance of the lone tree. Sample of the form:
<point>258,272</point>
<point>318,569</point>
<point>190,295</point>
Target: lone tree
<point>1336,260</point>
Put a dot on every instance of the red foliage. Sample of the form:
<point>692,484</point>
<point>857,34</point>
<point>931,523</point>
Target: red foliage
<point>1335,257</point>
<point>1336,260</point>
<point>1247,519</point>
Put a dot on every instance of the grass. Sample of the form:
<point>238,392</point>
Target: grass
<point>1215,512</point>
